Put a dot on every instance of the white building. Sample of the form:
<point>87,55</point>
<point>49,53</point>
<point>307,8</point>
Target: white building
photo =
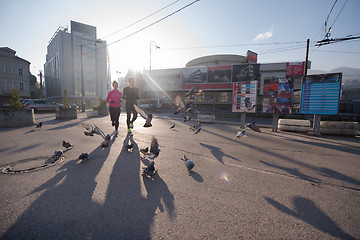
<point>14,73</point>
<point>77,62</point>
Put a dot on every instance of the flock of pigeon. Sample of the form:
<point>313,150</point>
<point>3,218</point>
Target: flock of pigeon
<point>150,170</point>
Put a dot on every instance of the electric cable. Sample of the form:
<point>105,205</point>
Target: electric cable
<point>132,24</point>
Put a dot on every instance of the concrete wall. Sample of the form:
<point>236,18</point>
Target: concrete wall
<point>13,118</point>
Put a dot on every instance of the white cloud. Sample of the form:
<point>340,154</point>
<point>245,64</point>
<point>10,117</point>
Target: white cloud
<point>266,35</point>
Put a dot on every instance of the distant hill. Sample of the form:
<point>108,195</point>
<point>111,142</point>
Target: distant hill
<point>350,77</point>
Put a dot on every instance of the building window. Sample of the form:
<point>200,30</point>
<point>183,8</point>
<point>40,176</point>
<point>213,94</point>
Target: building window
<point>20,71</point>
<point>8,86</point>
<point>7,69</point>
<point>22,86</point>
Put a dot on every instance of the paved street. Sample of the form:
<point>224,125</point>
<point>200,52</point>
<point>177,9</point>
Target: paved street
<point>265,186</point>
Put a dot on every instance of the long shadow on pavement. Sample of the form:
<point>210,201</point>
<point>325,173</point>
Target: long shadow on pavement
<point>218,154</point>
<point>307,211</point>
<point>65,209</point>
<point>321,170</point>
<point>126,213</point>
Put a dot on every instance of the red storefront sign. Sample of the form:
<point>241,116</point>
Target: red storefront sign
<point>295,68</point>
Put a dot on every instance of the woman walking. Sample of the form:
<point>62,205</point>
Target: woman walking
<point>131,95</point>
<point>114,100</point>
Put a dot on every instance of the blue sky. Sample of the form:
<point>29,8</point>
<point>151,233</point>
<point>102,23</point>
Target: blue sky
<point>207,27</point>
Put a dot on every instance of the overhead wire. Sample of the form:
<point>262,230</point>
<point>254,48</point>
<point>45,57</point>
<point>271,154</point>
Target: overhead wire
<point>149,25</point>
<point>140,20</point>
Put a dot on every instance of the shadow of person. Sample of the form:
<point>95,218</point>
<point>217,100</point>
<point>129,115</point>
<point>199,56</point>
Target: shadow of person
<point>123,214</point>
<point>307,211</point>
<point>65,209</point>
<point>295,172</point>
<point>336,175</point>
<point>157,190</point>
<point>218,154</point>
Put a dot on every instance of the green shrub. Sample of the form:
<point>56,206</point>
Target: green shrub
<point>66,99</point>
<point>15,99</point>
<point>102,103</point>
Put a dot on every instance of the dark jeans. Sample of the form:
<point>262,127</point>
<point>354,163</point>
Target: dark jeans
<point>130,109</point>
<point>114,116</point>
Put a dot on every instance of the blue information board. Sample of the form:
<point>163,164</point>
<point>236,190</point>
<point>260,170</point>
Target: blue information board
<point>320,94</point>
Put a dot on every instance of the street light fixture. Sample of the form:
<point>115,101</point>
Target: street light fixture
<point>152,43</point>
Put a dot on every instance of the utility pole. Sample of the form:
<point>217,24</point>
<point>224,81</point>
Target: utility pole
<point>41,85</point>
<point>317,117</point>
<point>82,81</point>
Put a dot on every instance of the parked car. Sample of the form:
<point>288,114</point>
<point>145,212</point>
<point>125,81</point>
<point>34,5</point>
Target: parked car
<point>41,105</point>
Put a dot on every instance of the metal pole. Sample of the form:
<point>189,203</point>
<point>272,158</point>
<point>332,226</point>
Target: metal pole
<point>275,122</point>
<point>242,119</point>
<point>82,82</point>
<point>150,57</point>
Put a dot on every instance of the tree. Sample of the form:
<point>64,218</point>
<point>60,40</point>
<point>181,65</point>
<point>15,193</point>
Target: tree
<point>66,99</point>
<point>15,99</point>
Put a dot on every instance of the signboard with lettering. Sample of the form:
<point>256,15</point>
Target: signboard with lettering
<point>244,96</point>
<point>321,93</point>
<point>295,68</point>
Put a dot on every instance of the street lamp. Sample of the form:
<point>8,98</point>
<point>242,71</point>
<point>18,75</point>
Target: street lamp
<point>152,43</point>
<point>82,70</point>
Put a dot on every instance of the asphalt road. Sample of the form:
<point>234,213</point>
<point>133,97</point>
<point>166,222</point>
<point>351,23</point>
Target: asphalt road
<point>264,186</point>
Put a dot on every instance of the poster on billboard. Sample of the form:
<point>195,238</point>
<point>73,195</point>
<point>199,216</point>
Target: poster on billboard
<point>219,74</point>
<point>278,94</point>
<point>321,93</point>
<point>194,75</point>
<point>246,72</point>
<point>244,96</point>
<point>295,68</point>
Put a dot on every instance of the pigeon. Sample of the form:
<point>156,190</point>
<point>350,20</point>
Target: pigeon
<point>172,126</point>
<point>144,150</point>
<point>89,128</point>
<point>239,134</point>
<point>39,125</point>
<point>106,141</point>
<point>188,163</point>
<point>192,110</point>
<point>67,144</point>
<point>186,118</point>
<point>84,156</point>
<point>147,116</point>
<point>192,127</point>
<point>182,108</point>
<point>99,132</point>
<point>197,128</point>
<point>154,148</point>
<point>149,171</point>
<point>253,127</point>
<point>129,146</point>
<point>58,153</point>
<point>193,91</point>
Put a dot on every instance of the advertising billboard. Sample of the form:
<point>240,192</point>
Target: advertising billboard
<point>219,73</point>
<point>246,72</point>
<point>194,75</point>
<point>244,96</point>
<point>321,93</point>
<point>278,94</point>
<point>252,57</point>
<point>295,68</point>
